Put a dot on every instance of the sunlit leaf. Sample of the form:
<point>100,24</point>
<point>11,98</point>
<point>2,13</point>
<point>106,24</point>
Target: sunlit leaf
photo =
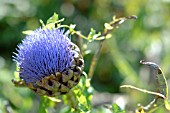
<point>53,19</point>
<point>108,36</point>
<point>108,26</point>
<point>42,23</point>
<point>54,99</point>
<point>101,38</point>
<point>43,105</point>
<point>27,32</point>
<point>141,111</point>
<point>117,109</point>
<point>167,105</point>
<point>72,26</point>
<point>16,73</point>
<point>118,21</point>
<point>93,35</point>
<point>87,52</point>
<point>50,26</point>
<point>114,18</point>
<point>80,97</point>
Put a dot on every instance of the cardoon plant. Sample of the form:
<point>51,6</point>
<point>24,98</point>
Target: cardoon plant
<point>49,63</point>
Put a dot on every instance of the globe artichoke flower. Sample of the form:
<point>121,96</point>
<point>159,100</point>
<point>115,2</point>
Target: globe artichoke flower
<point>49,63</point>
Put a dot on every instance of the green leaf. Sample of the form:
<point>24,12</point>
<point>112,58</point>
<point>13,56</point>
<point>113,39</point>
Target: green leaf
<point>79,98</point>
<point>54,99</point>
<point>93,35</point>
<point>42,23</point>
<point>43,105</point>
<point>28,32</point>
<point>52,22</point>
<point>167,105</point>
<point>117,109</point>
<point>108,26</point>
<point>50,26</point>
<point>72,27</point>
<point>108,36</point>
<point>118,21</point>
<point>16,73</point>
<point>53,19</point>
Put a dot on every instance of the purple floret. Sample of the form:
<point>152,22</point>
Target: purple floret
<point>43,53</point>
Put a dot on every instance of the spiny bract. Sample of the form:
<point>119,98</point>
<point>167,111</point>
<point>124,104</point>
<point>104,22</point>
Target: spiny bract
<point>49,63</point>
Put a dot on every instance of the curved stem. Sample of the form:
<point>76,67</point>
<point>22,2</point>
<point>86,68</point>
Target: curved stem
<point>95,60</point>
<point>144,90</point>
<point>114,23</point>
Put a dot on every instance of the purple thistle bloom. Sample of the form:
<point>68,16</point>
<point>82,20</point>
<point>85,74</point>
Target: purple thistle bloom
<point>43,53</point>
<point>46,52</point>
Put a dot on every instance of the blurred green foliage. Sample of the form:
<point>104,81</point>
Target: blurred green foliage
<point>146,38</point>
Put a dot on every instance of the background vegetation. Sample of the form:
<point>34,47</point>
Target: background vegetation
<point>146,38</point>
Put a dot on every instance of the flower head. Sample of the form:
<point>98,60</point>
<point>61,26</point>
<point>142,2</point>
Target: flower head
<point>49,63</point>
